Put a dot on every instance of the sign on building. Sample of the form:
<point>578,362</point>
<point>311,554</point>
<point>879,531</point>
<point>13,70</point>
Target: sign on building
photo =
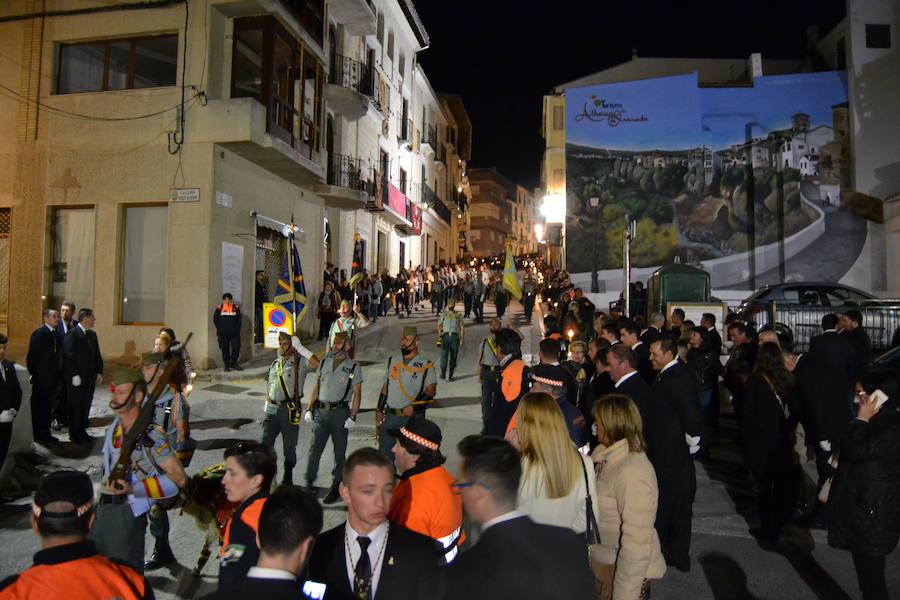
<point>275,320</point>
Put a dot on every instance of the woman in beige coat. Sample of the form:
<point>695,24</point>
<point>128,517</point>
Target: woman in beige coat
<point>626,499</point>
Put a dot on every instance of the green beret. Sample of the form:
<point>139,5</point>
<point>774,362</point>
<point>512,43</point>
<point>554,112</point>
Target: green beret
<point>150,358</point>
<point>123,376</point>
<point>410,330</point>
<point>340,336</point>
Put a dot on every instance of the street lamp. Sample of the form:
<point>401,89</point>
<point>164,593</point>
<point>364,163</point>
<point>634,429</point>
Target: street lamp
<point>595,205</point>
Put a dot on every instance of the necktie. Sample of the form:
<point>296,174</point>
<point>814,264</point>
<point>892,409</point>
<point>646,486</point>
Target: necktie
<point>362,574</point>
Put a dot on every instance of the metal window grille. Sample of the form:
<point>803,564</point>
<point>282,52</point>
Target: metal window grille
<point>5,234</point>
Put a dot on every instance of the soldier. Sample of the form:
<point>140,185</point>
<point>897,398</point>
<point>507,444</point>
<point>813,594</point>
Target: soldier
<point>489,371</point>
<point>409,387</point>
<point>227,319</point>
<point>529,289</point>
<point>285,389</point>
<point>349,320</point>
<point>478,298</point>
<point>334,400</point>
<point>154,473</point>
<point>452,334</point>
<point>171,415</point>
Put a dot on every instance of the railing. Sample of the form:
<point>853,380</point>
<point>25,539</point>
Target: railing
<point>429,135</point>
<point>880,319</point>
<point>351,74</point>
<point>405,128</point>
<point>381,93</point>
<point>344,171</point>
<point>430,199</point>
<point>440,153</point>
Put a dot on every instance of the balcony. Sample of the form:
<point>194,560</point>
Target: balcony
<point>357,16</point>
<point>378,193</point>
<point>396,209</point>
<point>347,187</point>
<point>240,125</point>
<point>440,156</point>
<point>431,200</point>
<point>381,93</point>
<point>349,87</point>
<point>429,139</point>
<point>405,128</point>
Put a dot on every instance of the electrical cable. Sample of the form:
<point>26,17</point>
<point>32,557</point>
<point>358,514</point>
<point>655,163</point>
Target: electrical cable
<point>177,137</point>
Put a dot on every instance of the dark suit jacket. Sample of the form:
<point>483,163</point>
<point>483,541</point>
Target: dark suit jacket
<point>81,355</point>
<point>519,559</point>
<point>253,588</point>
<point>410,568</point>
<point>713,341</point>
<point>44,360</point>
<point>824,409</point>
<point>836,352</point>
<point>678,387</point>
<point>765,431</point>
<point>645,367</point>
<point>642,395</point>
<point>10,391</point>
<point>651,335</point>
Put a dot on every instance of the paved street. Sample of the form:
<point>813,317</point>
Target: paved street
<point>727,562</point>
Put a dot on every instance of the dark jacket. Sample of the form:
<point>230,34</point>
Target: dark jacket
<point>410,568</point>
<point>706,367</point>
<point>678,386</point>
<point>253,588</point>
<point>523,560</point>
<point>824,410</point>
<point>836,352</point>
<point>10,390</point>
<point>81,355</point>
<point>650,335</point>
<point>765,430</point>
<point>227,319</point>
<point>864,503</point>
<point>44,360</point>
<point>862,347</point>
<point>642,395</point>
<point>644,367</point>
<point>713,341</point>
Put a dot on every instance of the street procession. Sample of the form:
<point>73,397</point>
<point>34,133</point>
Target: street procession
<point>395,300</point>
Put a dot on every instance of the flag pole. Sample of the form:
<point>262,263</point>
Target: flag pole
<point>290,262</point>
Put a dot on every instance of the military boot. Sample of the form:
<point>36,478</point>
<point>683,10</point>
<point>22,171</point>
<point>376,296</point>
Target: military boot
<point>333,494</point>
<point>162,555</point>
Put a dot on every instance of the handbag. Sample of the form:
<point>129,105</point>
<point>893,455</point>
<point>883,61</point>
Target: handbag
<point>603,572</point>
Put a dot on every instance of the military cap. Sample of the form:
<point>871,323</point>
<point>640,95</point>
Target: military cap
<point>123,376</point>
<point>63,489</point>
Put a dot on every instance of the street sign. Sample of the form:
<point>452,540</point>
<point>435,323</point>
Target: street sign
<point>275,320</point>
<point>184,194</point>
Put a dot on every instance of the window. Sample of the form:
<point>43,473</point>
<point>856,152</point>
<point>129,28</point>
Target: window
<point>390,46</point>
<point>70,259</point>
<point>143,266</point>
<point>380,29</point>
<point>878,35</point>
<point>123,64</point>
<point>558,117</point>
<point>840,55</point>
<point>403,181</point>
<point>401,64</point>
<point>311,16</point>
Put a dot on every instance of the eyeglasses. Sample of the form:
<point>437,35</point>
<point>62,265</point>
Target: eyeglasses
<point>460,485</point>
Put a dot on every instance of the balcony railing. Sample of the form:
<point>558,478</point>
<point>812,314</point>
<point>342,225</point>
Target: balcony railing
<point>429,135</point>
<point>405,128</point>
<point>352,74</point>
<point>431,200</point>
<point>344,171</point>
<point>440,153</point>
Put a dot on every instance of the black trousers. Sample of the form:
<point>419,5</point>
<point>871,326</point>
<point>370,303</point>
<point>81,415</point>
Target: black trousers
<point>467,304</point>
<point>5,438</point>
<point>60,405</point>
<point>325,321</point>
<point>230,345</point>
<point>870,574</point>
<point>775,492</point>
<point>79,399</point>
<point>43,395</point>
<point>674,513</point>
<point>500,301</point>
<point>478,309</point>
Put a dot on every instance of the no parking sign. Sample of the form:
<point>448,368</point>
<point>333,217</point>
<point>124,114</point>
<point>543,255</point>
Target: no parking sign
<point>276,319</point>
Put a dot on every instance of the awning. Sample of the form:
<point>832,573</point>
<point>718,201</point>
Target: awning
<point>276,225</point>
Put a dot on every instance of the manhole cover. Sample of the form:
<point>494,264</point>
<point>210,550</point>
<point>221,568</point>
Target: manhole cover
<point>225,389</point>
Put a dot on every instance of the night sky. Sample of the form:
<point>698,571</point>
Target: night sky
<point>503,56</point>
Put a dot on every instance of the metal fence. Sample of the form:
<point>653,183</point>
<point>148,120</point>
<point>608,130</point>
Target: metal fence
<point>352,74</point>
<point>344,171</point>
<point>881,320</point>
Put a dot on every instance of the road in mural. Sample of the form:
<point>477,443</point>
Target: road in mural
<point>744,181</point>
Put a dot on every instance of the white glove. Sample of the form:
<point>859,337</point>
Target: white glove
<point>349,423</point>
<point>8,415</point>
<point>825,445</point>
<point>308,416</point>
<point>76,380</point>
<point>693,443</point>
<point>303,350</point>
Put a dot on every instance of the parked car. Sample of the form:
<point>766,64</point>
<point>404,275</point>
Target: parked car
<point>799,307</point>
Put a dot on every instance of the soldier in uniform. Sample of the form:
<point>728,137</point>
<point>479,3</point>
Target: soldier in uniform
<point>409,387</point>
<point>171,415</point>
<point>154,473</point>
<point>452,335</point>
<point>529,289</point>
<point>334,399</point>
<point>349,321</point>
<point>489,371</point>
<point>285,389</point>
<point>478,298</point>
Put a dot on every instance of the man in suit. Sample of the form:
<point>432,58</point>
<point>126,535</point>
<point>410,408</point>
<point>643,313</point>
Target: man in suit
<point>655,330</point>
<point>83,370</point>
<point>630,334</point>
<point>677,387</point>
<point>60,410</point>
<point>368,556</point>
<point>711,335</point>
<point>44,362</point>
<point>628,381</point>
<point>837,353</point>
<point>288,525</point>
<point>10,399</point>
<point>514,557</point>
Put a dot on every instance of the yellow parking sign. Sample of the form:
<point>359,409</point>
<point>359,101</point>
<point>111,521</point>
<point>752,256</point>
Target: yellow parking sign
<point>275,320</point>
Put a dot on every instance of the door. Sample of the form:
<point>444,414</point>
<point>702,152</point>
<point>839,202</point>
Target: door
<point>381,258</point>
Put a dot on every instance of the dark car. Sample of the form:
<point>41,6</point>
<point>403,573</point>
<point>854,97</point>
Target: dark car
<point>802,294</point>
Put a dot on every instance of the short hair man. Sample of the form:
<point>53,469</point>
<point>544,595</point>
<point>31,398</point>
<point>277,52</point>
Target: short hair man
<point>43,361</point>
<point>367,552</point>
<point>547,562</point>
<point>62,516</point>
<point>514,382</point>
<point>289,523</point>
<point>83,369</point>
<point>227,319</point>
<point>657,322</point>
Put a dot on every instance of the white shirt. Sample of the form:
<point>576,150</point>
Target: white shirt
<point>376,556</point>
<point>513,514</point>
<point>264,573</point>
<point>671,364</point>
<point>48,327</point>
<point>624,377</point>
<point>636,345</point>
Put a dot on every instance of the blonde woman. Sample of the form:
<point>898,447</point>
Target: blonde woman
<point>626,501</point>
<point>552,490</point>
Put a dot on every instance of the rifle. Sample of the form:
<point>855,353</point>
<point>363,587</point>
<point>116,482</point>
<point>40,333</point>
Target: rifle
<point>145,418</point>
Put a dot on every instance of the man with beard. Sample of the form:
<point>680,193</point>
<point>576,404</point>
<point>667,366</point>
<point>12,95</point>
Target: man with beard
<point>409,387</point>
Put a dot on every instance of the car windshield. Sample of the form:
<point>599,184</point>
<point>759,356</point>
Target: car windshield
<point>838,296</point>
<point>888,359</point>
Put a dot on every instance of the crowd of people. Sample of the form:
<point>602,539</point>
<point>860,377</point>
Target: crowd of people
<point>579,484</point>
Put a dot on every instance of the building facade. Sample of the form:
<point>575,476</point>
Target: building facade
<point>152,156</point>
<point>491,209</point>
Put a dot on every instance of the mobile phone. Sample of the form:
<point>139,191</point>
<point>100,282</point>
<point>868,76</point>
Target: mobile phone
<point>878,398</point>
<point>314,589</point>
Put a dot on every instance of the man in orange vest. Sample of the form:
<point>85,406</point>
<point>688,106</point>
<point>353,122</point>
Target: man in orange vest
<point>514,382</point>
<point>227,320</point>
<point>68,565</point>
<point>423,499</point>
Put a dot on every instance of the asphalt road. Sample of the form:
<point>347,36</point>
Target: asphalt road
<point>727,562</point>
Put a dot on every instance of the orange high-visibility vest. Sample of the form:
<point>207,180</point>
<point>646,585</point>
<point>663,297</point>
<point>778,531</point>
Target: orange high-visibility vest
<point>425,503</point>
